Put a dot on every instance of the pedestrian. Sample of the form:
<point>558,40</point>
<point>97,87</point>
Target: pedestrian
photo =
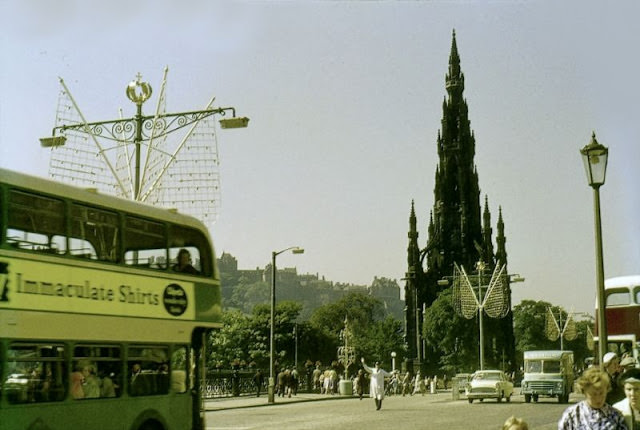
<point>317,385</point>
<point>611,364</point>
<point>287,383</point>
<point>513,423</point>
<point>406,383</point>
<point>630,406</point>
<point>418,386</point>
<point>376,387</point>
<point>593,412</point>
<point>333,381</point>
<point>361,381</point>
<point>627,363</point>
<point>294,381</point>
<point>281,383</point>
<point>258,379</point>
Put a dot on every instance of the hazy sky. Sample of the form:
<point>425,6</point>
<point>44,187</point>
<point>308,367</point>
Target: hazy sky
<point>345,101</point>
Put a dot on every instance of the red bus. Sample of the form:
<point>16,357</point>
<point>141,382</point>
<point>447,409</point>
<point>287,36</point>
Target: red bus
<point>622,310</point>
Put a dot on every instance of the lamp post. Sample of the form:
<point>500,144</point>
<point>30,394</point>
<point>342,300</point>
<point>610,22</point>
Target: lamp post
<point>594,157</point>
<point>274,254</point>
<point>393,361</point>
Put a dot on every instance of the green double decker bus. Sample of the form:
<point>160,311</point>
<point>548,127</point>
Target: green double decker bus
<point>100,326</point>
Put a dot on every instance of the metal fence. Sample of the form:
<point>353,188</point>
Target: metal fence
<point>229,383</point>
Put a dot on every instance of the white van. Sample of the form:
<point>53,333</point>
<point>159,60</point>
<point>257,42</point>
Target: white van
<point>547,373</point>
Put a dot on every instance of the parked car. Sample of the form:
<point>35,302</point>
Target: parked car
<point>489,384</point>
<point>463,380</point>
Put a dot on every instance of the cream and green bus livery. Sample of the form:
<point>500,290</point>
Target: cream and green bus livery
<point>100,327</point>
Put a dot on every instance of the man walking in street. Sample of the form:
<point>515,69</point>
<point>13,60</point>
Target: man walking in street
<point>376,388</point>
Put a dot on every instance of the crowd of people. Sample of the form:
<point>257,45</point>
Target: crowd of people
<point>612,397</point>
<point>611,390</point>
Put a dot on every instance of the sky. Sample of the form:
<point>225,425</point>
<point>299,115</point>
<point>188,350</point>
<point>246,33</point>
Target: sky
<point>345,101</point>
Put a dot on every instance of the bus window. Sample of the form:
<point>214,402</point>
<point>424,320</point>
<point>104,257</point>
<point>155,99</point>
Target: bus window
<point>36,373</point>
<point>149,370</point>
<point>194,242</point>
<point>179,370</point>
<point>145,243</point>
<point>618,298</point>
<point>97,371</point>
<point>36,223</point>
<point>94,233</point>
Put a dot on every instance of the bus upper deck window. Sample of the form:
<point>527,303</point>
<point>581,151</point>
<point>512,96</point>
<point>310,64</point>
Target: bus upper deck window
<point>36,223</point>
<point>618,298</point>
<point>94,233</point>
<point>184,239</point>
<point>145,243</point>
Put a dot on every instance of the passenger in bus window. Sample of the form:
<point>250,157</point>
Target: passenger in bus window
<point>138,385</point>
<point>77,379</point>
<point>91,382</point>
<point>108,388</point>
<point>184,263</point>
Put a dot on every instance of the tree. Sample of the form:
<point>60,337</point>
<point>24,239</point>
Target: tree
<point>529,318</point>
<point>246,338</point>
<point>451,341</point>
<point>361,310</point>
<point>373,335</point>
<point>380,340</point>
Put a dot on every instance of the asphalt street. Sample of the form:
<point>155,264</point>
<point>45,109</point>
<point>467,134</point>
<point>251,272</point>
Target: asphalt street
<point>432,411</point>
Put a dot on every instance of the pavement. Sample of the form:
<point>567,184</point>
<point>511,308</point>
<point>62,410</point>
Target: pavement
<point>222,403</point>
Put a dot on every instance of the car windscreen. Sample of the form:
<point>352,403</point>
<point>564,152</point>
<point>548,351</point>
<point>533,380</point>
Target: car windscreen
<point>486,377</point>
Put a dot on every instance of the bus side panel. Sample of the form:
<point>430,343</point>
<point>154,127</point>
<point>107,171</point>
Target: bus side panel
<point>623,320</point>
<point>99,414</point>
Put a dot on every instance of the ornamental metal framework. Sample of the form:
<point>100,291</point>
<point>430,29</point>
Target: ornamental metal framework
<point>554,328</point>
<point>346,352</point>
<point>495,302</point>
<point>165,159</point>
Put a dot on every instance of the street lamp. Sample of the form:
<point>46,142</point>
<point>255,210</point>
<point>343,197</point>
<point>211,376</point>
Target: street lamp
<point>274,254</point>
<point>594,157</point>
<point>393,361</point>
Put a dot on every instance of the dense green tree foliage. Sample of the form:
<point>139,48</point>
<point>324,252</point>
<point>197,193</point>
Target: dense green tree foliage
<point>244,339</point>
<point>452,342</point>
<point>529,323</point>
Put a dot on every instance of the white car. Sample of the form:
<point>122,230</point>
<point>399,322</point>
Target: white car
<point>489,384</point>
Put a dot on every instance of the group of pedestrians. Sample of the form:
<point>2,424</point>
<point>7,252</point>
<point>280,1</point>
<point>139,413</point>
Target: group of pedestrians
<point>287,383</point>
<point>612,398</point>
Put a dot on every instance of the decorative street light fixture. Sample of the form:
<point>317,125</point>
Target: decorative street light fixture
<point>393,361</point>
<point>493,302</point>
<point>594,156</point>
<point>274,254</point>
<point>141,128</point>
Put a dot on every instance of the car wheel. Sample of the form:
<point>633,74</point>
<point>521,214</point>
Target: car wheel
<point>535,398</point>
<point>527,398</point>
<point>470,400</point>
<point>509,399</point>
<point>499,397</point>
